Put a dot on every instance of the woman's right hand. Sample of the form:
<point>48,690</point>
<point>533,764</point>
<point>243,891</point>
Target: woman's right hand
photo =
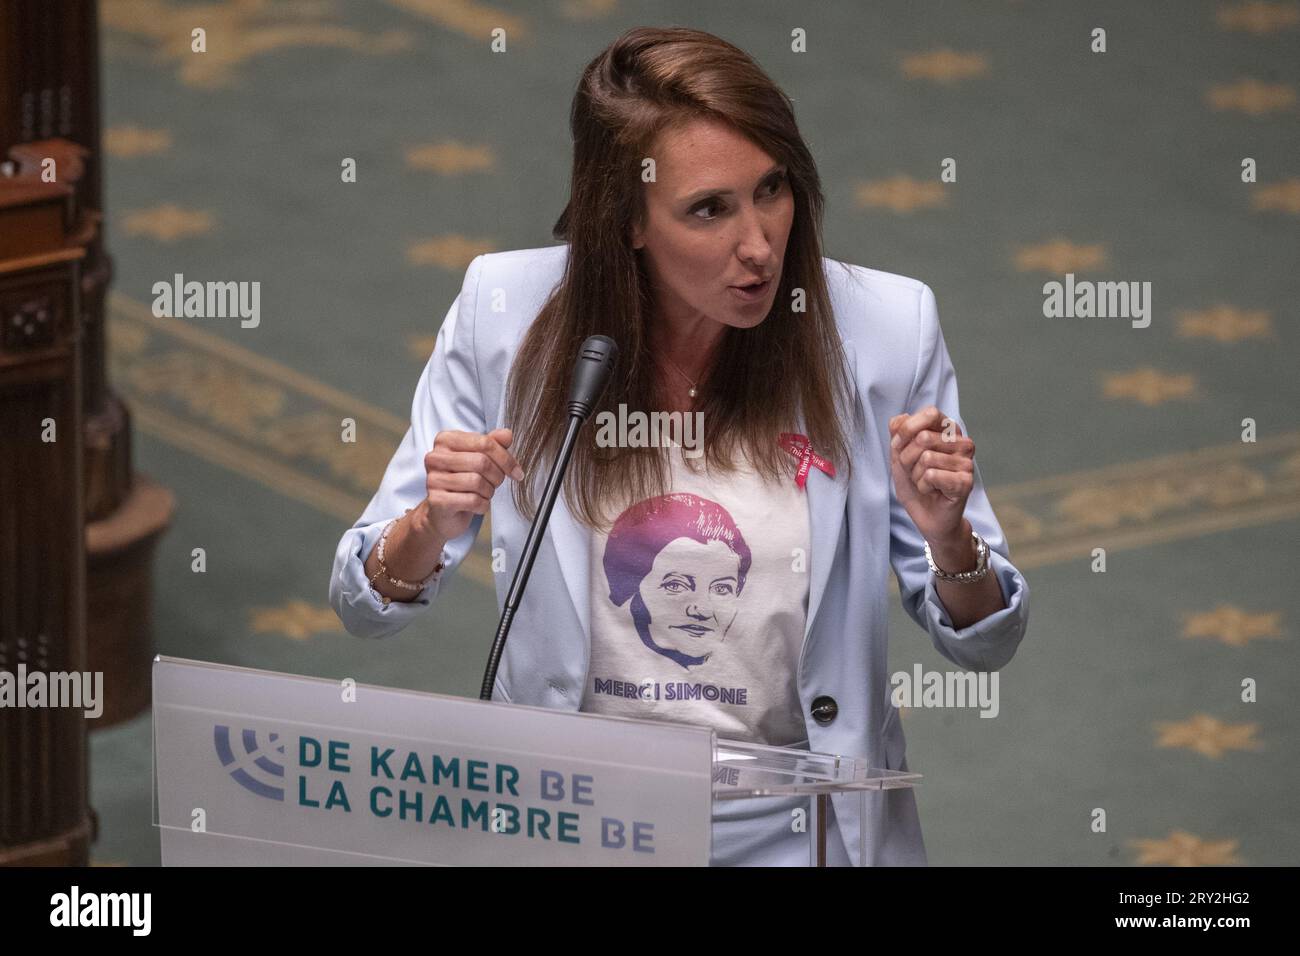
<point>462,471</point>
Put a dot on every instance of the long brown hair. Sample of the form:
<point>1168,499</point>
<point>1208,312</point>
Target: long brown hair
<point>645,81</point>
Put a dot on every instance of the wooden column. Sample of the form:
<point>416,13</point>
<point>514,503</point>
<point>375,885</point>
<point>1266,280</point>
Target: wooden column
<point>54,277</point>
<point>49,101</point>
<point>44,811</point>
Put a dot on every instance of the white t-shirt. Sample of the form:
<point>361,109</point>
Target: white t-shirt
<point>698,605</point>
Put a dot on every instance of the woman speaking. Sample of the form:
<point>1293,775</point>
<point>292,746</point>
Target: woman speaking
<point>743,587</point>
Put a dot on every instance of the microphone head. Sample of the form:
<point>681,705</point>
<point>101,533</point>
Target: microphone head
<point>595,365</point>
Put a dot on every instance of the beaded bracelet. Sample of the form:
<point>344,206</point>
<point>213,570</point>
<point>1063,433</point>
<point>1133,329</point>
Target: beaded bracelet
<point>383,568</point>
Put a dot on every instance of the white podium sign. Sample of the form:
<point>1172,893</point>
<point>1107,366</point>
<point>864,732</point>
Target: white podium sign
<point>254,767</point>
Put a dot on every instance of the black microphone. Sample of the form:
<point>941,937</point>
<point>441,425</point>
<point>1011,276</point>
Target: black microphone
<point>595,364</point>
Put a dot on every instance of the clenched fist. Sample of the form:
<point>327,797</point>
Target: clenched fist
<point>933,467</point>
<point>462,472</point>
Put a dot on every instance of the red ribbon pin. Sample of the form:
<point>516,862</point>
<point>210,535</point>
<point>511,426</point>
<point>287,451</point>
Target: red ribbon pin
<point>801,448</point>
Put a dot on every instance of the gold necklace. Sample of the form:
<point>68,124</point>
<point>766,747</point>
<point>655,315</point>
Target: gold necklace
<point>692,390</point>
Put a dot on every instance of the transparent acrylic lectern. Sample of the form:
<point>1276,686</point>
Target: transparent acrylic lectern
<point>255,767</point>
<point>745,770</point>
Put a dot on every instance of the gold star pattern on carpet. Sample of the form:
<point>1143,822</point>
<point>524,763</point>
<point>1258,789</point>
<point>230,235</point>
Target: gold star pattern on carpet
<point>421,346</point>
<point>944,66</point>
<point>167,222</point>
<point>450,252</point>
<point>1150,386</point>
<point>1225,323</point>
<point>295,619</point>
<point>129,141</point>
<point>1231,625</point>
<point>587,9</point>
<point>450,158</point>
<point>1282,197</point>
<point>901,194</point>
<point>1207,735</point>
<point>1181,848</point>
<point>1258,17</point>
<point>1251,97</point>
<point>1060,256</point>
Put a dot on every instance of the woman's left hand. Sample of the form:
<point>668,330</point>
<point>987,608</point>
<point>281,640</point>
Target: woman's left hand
<point>933,465</point>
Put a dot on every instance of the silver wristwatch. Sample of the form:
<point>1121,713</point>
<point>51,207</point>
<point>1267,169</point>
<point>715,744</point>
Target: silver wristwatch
<point>963,577</point>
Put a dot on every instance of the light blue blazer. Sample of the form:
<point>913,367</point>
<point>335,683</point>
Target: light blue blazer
<point>890,328</point>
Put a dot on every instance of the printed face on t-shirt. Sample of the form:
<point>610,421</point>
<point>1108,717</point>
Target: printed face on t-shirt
<point>698,614</point>
<point>691,595</point>
<point>676,564</point>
